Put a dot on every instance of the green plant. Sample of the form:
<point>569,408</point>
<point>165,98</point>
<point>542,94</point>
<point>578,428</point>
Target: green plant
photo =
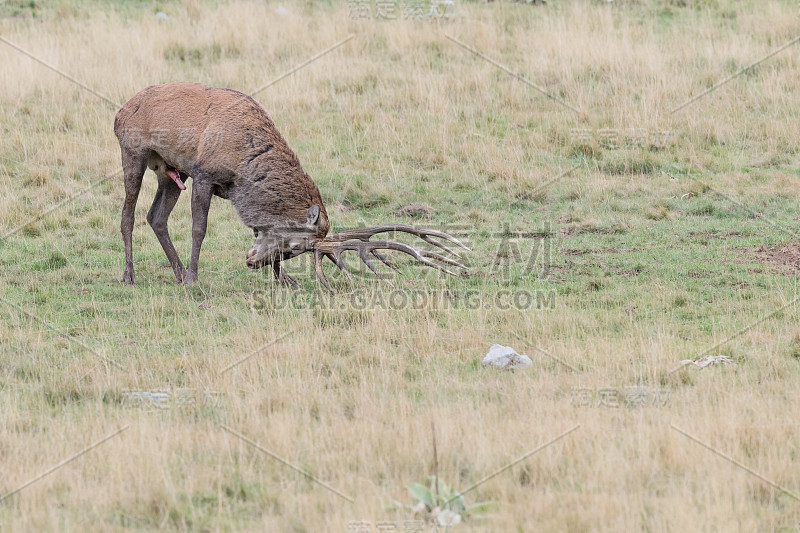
<point>438,503</point>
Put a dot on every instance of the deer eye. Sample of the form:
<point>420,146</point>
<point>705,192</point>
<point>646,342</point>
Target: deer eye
<point>255,233</point>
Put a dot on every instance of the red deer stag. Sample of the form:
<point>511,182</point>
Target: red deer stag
<point>225,141</point>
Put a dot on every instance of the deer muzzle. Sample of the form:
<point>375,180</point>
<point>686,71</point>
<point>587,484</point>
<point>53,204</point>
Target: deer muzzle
<point>251,259</point>
<point>255,262</point>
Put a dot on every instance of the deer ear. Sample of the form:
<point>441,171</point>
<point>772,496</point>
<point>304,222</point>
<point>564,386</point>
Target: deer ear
<point>312,215</point>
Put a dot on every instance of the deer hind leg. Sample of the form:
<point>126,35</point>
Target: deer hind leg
<point>166,197</point>
<point>133,166</point>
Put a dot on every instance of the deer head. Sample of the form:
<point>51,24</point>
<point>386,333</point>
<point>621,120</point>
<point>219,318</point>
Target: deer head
<point>289,218</point>
<point>286,239</point>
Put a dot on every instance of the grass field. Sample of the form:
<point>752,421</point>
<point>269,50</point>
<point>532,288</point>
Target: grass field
<point>673,237</point>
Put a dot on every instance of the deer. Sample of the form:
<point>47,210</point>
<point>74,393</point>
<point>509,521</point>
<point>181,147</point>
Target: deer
<point>226,143</point>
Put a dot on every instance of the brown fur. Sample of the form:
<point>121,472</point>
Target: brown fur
<point>225,141</point>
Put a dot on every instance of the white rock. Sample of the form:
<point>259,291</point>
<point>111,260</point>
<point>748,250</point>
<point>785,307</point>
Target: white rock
<point>145,399</point>
<point>506,357</point>
<point>161,15</point>
<point>709,360</point>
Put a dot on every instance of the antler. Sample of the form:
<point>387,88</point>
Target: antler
<point>357,240</point>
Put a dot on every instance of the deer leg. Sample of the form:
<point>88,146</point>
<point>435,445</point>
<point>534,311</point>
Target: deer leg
<point>133,166</point>
<point>201,202</point>
<point>166,197</point>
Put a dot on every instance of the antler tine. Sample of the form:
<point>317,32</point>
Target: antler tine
<point>336,259</point>
<point>364,254</point>
<point>440,257</point>
<point>282,276</point>
<point>385,261</point>
<point>421,256</point>
<point>426,234</point>
<point>320,274</point>
<point>439,244</point>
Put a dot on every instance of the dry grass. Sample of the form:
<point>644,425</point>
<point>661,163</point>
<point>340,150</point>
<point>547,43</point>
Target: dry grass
<point>644,273</point>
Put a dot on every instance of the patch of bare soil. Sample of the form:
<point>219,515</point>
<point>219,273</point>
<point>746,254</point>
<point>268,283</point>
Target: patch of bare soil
<point>416,210</point>
<point>785,255</point>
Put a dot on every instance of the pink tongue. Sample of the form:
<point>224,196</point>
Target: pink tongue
<point>176,178</point>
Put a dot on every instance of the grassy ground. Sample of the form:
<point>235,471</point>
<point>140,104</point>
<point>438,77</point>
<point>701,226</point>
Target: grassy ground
<point>651,252</point>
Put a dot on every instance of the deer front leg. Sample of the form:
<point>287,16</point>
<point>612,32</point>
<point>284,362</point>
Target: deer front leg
<point>201,201</point>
